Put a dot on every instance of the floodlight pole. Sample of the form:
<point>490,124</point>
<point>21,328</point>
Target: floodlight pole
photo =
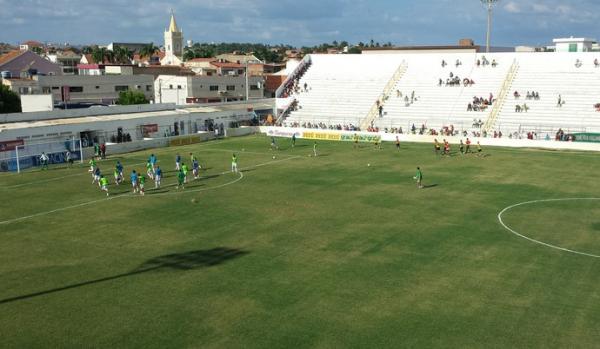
<point>490,5</point>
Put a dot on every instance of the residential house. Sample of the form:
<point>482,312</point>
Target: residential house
<point>24,64</point>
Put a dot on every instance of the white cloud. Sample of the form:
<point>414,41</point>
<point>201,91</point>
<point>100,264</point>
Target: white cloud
<point>512,7</point>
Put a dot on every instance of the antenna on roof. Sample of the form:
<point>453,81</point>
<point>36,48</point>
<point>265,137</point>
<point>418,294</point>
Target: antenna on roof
<point>489,4</point>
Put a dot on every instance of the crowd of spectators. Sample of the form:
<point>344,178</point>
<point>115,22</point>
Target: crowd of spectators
<point>480,103</point>
<point>323,126</point>
<point>483,62</point>
<point>293,85</point>
<point>408,101</point>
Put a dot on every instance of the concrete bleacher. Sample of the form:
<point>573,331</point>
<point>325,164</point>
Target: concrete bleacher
<point>438,106</point>
<point>551,75</point>
<point>342,89</point>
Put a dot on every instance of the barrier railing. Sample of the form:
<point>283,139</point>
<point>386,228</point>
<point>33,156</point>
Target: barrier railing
<point>510,77</point>
<point>387,90</point>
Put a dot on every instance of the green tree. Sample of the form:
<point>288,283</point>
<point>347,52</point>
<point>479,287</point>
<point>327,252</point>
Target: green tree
<point>37,50</point>
<point>354,50</point>
<point>132,98</point>
<point>10,102</point>
<point>148,50</point>
<point>122,55</point>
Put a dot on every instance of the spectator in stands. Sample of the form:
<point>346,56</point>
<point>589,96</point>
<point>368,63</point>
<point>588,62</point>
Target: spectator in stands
<point>517,95</point>
<point>381,111</point>
<point>517,108</point>
<point>494,63</point>
<point>536,96</point>
<point>469,107</point>
<point>458,63</point>
<point>444,63</point>
<point>478,63</point>
<point>441,82</point>
<point>560,101</point>
<point>596,63</point>
<point>525,107</point>
<point>578,63</point>
<point>398,94</point>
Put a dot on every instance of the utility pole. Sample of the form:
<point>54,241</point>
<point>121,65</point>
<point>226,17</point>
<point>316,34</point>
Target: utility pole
<point>489,4</point>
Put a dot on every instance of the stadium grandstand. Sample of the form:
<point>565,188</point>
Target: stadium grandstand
<point>477,94</point>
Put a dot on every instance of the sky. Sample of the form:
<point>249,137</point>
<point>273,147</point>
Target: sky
<point>297,22</point>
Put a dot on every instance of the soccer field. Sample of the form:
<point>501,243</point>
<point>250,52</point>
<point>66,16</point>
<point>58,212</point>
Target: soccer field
<point>299,251</point>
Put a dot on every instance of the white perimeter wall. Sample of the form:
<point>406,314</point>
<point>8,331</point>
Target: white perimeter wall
<point>390,137</point>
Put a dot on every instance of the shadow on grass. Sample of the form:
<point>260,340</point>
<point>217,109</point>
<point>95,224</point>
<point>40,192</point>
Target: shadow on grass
<point>430,186</point>
<point>172,262</point>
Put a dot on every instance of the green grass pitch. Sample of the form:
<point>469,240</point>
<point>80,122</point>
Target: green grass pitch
<point>304,252</point>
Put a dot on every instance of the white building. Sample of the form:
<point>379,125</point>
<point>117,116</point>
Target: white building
<point>573,44</point>
<point>173,44</point>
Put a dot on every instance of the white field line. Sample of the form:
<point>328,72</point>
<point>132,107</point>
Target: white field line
<point>541,242</point>
<point>18,219</point>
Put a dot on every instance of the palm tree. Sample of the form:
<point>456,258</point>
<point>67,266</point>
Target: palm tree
<point>148,50</point>
<point>122,55</point>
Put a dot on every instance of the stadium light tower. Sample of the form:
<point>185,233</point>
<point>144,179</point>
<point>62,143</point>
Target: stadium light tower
<point>489,4</point>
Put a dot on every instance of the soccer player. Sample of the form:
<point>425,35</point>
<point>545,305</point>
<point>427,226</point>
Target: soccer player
<point>97,174</point>
<point>92,163</point>
<point>315,149</point>
<point>177,162</point>
<point>377,143</point>
<point>152,159</point>
<point>117,177</point>
<point>419,178</point>
<point>273,144</point>
<point>119,169</point>
<point>479,150</point>
<point>195,168</point>
<point>134,181</point>
<point>184,169</point>
<point>104,184</point>
<point>355,137</point>
<point>397,143</point>
<point>180,179</point>
<point>234,163</point>
<point>446,148</point>
<point>461,147</point>
<point>157,177</point>
<point>69,159</point>
<point>436,146</point>
<point>468,146</point>
<point>293,140</point>
<point>142,184</point>
<point>44,160</point>
<point>149,169</point>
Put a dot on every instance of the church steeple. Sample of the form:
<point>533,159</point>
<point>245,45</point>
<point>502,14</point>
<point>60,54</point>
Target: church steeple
<point>173,25</point>
<point>173,43</point>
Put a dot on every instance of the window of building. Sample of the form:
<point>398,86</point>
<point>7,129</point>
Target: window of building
<point>97,87</point>
<point>55,87</point>
<point>214,87</point>
<point>170,87</point>
<point>572,47</point>
<point>230,87</point>
<point>179,87</point>
<point>148,88</point>
<point>254,87</point>
<point>76,89</point>
<point>121,88</point>
<point>46,90</point>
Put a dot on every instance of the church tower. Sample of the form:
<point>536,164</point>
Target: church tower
<point>173,44</point>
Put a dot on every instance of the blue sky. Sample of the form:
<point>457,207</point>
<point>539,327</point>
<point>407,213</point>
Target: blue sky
<point>297,22</point>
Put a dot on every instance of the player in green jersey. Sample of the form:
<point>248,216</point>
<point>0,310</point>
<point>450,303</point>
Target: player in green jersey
<point>419,178</point>
<point>184,169</point>
<point>142,184</point>
<point>104,184</point>
<point>180,179</point>
<point>234,163</point>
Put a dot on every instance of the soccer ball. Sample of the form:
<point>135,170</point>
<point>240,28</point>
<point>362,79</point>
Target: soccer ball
<point>368,165</point>
<point>273,157</point>
<point>193,200</point>
<point>243,149</point>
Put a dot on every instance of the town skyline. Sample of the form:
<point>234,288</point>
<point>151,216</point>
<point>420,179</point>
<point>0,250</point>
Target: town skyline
<point>310,23</point>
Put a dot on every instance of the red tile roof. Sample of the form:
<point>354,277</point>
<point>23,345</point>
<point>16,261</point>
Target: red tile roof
<point>227,65</point>
<point>202,59</point>
<point>10,56</point>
